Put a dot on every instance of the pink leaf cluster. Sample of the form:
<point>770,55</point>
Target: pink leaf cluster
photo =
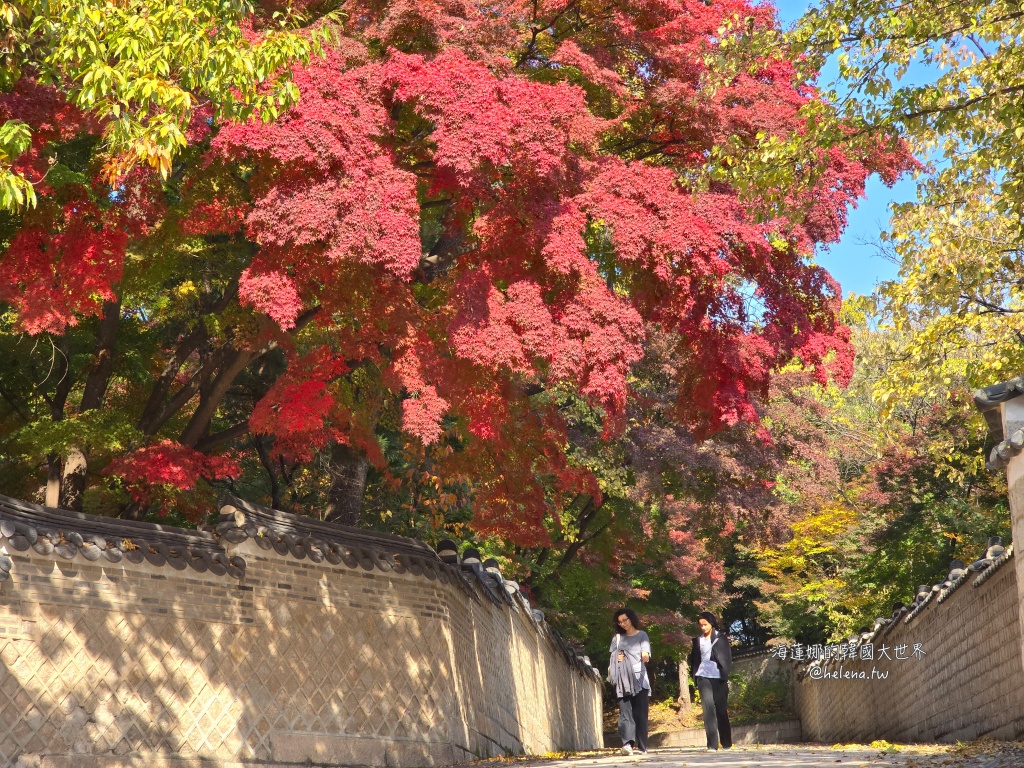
<point>299,411</point>
<point>271,292</point>
<point>423,409</point>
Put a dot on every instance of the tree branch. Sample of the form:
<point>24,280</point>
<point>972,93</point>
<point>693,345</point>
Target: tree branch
<point>268,465</point>
<point>210,442</point>
<point>154,409</point>
<point>576,546</point>
<point>60,395</point>
<point>155,413</point>
<point>187,392</point>
<point>961,104</point>
<point>15,406</point>
<point>860,34</point>
<point>992,308</point>
<point>235,362</point>
<point>103,359</point>
<point>535,30</point>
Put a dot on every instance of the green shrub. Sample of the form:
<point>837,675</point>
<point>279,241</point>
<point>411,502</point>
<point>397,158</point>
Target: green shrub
<point>760,699</point>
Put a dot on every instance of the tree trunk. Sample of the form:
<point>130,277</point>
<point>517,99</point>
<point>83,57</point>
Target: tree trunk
<point>685,702</point>
<point>348,470</point>
<point>60,397</point>
<point>103,359</point>
<point>72,485</point>
<point>268,465</point>
<point>211,393</point>
<point>52,480</point>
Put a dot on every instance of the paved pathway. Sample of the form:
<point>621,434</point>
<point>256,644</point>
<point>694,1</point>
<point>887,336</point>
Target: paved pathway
<point>801,756</point>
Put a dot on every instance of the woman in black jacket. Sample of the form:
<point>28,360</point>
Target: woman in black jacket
<point>710,664</point>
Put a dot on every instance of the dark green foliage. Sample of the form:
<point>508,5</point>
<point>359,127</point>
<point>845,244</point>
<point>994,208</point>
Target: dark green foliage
<point>755,698</point>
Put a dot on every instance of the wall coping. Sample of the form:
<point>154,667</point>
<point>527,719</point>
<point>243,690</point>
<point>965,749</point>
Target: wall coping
<point>70,535</point>
<point>751,652</point>
<point>988,401</point>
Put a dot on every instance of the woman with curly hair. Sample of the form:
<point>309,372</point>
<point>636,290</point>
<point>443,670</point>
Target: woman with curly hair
<point>627,671</point>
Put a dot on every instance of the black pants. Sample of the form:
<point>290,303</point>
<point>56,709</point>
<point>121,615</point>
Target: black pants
<point>714,700</point>
<point>633,719</point>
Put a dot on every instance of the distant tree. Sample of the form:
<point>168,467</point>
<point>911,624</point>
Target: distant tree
<point>949,79</point>
<point>909,494</point>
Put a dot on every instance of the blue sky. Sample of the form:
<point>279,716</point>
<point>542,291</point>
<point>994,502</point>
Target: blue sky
<point>854,261</point>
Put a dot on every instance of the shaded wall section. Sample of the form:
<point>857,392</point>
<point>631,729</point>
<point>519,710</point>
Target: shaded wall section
<point>273,640</point>
<point>967,684</point>
<point>1002,405</point>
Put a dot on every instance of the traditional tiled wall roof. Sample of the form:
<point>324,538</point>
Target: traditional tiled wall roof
<point>306,537</point>
<point>71,535</point>
<point>751,652</point>
<point>987,401</point>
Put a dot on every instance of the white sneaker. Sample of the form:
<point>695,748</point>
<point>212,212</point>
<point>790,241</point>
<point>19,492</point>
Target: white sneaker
<point>712,749</point>
<point>627,749</point>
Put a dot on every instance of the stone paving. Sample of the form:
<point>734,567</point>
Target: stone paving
<point>979,755</point>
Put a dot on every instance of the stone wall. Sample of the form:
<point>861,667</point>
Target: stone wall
<point>969,684</point>
<point>237,646</point>
<point>781,732</point>
<point>1012,422</point>
<point>761,663</point>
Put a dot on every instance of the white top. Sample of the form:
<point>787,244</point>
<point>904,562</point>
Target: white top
<point>707,667</point>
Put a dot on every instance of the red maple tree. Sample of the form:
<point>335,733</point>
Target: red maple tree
<point>469,209</point>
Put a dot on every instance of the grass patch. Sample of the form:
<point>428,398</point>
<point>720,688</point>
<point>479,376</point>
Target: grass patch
<point>664,716</point>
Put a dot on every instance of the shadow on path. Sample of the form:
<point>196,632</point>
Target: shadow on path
<point>978,755</point>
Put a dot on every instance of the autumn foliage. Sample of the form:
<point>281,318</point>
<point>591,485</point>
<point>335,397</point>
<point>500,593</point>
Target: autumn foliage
<point>473,215</point>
